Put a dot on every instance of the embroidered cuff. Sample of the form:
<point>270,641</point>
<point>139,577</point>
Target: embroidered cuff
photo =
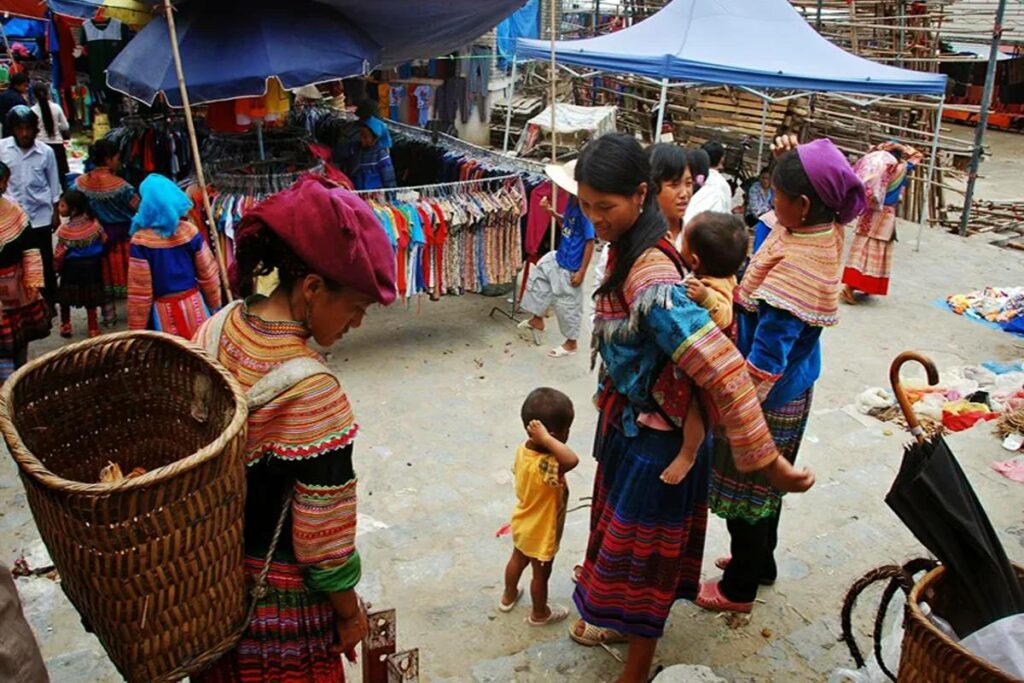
<point>763,381</point>
<point>324,524</point>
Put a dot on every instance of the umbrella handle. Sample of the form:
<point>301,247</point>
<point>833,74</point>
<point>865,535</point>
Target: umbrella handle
<point>894,378</point>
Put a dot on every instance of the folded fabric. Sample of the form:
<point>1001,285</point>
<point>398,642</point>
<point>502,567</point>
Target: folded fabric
<point>962,421</point>
<point>1011,469</point>
<point>962,406</point>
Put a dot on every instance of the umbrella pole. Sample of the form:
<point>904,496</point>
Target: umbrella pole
<point>927,200</point>
<point>901,396</point>
<point>764,124</point>
<point>194,143</point>
<point>508,106</point>
<point>554,124</point>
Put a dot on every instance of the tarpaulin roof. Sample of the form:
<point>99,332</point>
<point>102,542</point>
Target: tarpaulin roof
<point>411,29</point>
<point>34,9</point>
<point>227,53</point>
<point>753,43</point>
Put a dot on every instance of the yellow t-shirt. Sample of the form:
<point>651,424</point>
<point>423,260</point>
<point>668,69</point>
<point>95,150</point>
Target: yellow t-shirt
<point>539,517</point>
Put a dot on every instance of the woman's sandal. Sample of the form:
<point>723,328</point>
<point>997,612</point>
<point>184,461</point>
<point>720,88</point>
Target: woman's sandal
<point>712,599</point>
<point>577,573</point>
<point>595,635</point>
<point>502,607</point>
<point>556,613</point>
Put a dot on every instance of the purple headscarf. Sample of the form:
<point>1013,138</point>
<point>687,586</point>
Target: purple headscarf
<point>833,179</point>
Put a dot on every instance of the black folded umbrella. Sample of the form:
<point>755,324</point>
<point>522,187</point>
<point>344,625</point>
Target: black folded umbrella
<point>934,499</point>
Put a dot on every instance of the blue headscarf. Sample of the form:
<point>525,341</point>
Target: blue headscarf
<point>380,130</point>
<point>162,207</point>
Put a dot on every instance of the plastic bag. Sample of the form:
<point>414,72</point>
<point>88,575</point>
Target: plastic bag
<point>892,646</point>
<point>1001,644</point>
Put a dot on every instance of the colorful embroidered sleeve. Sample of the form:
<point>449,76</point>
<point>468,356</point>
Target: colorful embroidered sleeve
<point>207,274</point>
<point>32,269</point>
<point>324,521</point>
<point>312,418</point>
<point>140,289</point>
<point>702,351</point>
<point>776,333</point>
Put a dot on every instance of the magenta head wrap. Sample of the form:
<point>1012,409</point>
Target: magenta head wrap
<point>334,232</point>
<point>833,179</point>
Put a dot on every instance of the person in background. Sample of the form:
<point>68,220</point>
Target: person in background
<point>54,126</point>
<point>78,260</point>
<point>646,541</point>
<point>672,184</point>
<point>374,168</point>
<point>300,443</point>
<point>557,279</point>
<point>704,197</point>
<point>716,181</point>
<point>884,170</point>
<point>113,202</point>
<point>173,279</point>
<point>24,316</point>
<point>759,198</point>
<point>541,501</point>
<point>16,94</point>
<point>35,187</point>
<point>788,295</point>
<point>20,659</point>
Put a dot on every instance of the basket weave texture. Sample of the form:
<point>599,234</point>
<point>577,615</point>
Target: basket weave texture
<point>930,656</point>
<point>153,564</point>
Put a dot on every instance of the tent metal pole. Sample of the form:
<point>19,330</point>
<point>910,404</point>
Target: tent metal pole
<point>508,105</point>
<point>194,143</point>
<point>986,104</point>
<point>662,105</point>
<point>554,121</point>
<point>926,202</point>
<point>764,124</point>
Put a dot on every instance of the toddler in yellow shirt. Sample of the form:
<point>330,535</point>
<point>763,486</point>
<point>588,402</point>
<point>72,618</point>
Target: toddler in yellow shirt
<point>542,495</point>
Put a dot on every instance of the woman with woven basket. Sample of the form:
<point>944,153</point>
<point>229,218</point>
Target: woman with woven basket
<point>301,425</point>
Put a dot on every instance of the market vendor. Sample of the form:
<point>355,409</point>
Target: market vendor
<point>370,153</point>
<point>647,537</point>
<point>301,432</point>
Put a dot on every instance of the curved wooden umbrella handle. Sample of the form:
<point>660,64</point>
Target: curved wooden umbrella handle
<point>894,378</point>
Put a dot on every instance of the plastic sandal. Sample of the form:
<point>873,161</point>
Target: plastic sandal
<point>711,599</point>
<point>524,326</point>
<point>557,613</point>
<point>595,635</point>
<point>577,572</point>
<point>502,607</point>
<point>560,352</point>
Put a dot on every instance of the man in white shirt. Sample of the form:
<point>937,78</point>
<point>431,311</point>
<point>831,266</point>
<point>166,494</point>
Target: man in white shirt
<point>34,185</point>
<point>716,181</point>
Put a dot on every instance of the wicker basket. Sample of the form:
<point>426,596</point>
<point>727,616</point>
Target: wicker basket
<point>929,656</point>
<point>154,564</point>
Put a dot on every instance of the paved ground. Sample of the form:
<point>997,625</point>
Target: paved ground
<point>437,390</point>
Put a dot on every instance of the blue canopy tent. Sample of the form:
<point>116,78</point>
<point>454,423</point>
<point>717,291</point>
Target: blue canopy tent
<point>756,45</point>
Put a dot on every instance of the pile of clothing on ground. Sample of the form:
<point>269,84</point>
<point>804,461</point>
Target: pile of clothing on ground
<point>963,397</point>
<point>1003,306</point>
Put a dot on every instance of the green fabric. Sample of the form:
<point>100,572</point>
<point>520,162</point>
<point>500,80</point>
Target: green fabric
<point>335,579</point>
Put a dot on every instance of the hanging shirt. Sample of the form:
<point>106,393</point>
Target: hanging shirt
<point>577,231</point>
<point>104,40</point>
<point>35,184</point>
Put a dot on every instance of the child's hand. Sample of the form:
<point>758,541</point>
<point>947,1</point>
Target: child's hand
<point>538,433</point>
<point>678,469</point>
<point>783,476</point>
<point>545,204</point>
<point>695,289</point>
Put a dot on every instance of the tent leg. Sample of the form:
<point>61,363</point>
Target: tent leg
<point>553,77</point>
<point>508,110</point>
<point>194,143</point>
<point>662,104</point>
<point>764,124</point>
<point>926,201</point>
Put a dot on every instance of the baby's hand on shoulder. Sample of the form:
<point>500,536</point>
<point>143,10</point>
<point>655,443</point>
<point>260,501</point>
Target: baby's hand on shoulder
<point>695,289</point>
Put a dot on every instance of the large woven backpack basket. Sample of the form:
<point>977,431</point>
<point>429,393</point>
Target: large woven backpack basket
<point>154,563</point>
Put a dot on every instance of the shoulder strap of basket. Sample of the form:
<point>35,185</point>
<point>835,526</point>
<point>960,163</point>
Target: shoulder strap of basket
<point>273,384</point>
<point>217,327</point>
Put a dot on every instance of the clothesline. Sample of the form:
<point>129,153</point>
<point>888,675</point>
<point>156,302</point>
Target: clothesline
<point>434,186</point>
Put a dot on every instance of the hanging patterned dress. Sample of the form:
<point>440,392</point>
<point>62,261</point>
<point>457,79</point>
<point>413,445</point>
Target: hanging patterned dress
<point>25,317</point>
<point>646,542</point>
<point>869,265</point>
<point>301,441</point>
<point>113,201</point>
<point>173,281</point>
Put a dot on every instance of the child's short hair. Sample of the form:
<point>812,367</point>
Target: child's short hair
<point>77,202</point>
<point>720,241</point>
<point>550,406</point>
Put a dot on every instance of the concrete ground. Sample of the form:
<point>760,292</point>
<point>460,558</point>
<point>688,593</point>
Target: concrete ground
<point>437,389</point>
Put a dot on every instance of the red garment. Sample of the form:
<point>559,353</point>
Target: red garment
<point>958,423</point>
<point>441,234</point>
<point>333,231</point>
<point>538,220</point>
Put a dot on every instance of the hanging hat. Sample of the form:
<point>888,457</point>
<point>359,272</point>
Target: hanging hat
<point>563,175</point>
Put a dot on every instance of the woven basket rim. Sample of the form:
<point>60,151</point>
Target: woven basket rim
<point>32,466</point>
<point>913,603</point>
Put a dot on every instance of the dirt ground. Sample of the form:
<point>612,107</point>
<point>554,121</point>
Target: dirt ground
<point>437,389</point>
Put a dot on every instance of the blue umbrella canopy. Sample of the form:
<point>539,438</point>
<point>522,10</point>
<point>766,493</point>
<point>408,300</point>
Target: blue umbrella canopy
<point>228,50</point>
